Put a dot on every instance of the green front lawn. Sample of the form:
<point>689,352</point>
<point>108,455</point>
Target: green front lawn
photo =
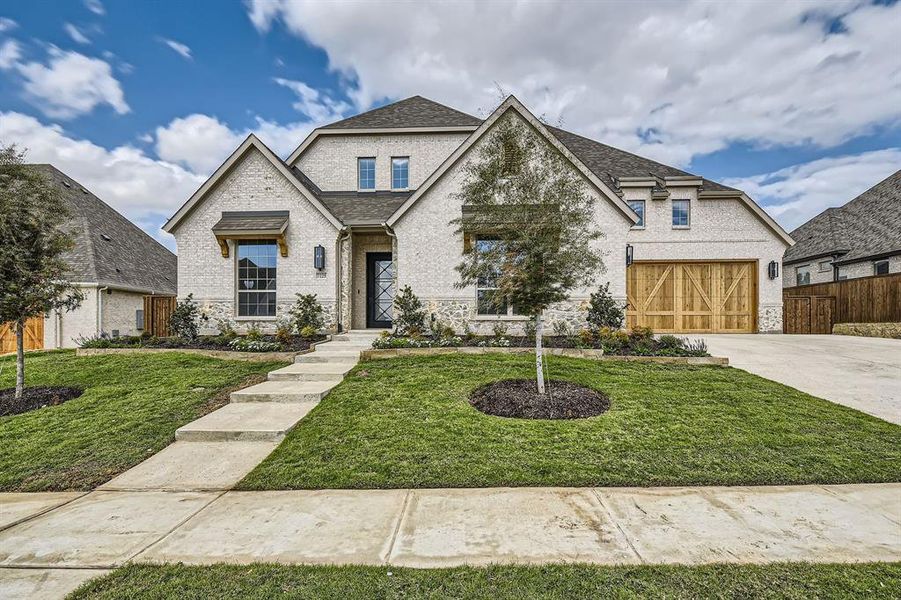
<point>406,422</point>
<point>130,409</point>
<point>265,581</point>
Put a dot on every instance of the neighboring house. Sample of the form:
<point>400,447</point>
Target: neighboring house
<point>113,263</point>
<point>859,239</point>
<point>364,205</point>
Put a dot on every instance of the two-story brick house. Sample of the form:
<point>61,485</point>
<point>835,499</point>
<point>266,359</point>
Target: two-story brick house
<point>365,205</point>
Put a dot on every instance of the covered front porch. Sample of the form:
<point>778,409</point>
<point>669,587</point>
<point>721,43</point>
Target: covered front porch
<point>368,278</point>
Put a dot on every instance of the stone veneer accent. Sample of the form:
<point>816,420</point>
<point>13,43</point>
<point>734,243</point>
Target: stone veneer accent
<point>225,311</point>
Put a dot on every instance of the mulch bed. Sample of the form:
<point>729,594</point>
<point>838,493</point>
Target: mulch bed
<point>207,342</point>
<point>518,398</point>
<point>34,398</point>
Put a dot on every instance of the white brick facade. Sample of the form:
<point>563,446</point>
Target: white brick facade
<point>255,184</point>
<point>426,249</point>
<point>100,311</point>
<point>331,161</point>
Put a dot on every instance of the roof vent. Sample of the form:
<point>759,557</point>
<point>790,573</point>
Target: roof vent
<point>84,191</point>
<point>67,184</point>
<point>106,237</point>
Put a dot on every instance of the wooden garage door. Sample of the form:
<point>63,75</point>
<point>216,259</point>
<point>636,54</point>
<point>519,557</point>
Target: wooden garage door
<point>692,297</point>
<point>34,335</point>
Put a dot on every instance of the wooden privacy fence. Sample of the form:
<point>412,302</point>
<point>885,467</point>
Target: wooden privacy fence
<point>33,339</point>
<point>157,310</point>
<point>875,299</point>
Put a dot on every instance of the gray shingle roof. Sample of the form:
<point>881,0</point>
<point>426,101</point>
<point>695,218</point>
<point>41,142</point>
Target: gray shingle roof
<point>411,112</point>
<point>110,249</point>
<point>867,226</point>
<point>363,208</point>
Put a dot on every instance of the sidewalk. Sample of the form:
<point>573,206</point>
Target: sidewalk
<point>447,527</point>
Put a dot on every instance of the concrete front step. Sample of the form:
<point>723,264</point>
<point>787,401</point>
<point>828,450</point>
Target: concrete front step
<point>246,421</point>
<point>357,339</point>
<point>327,356</point>
<point>312,372</point>
<point>285,391</point>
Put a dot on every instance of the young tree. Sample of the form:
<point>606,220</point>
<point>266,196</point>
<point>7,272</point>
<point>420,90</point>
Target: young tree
<point>531,217</point>
<point>33,274</point>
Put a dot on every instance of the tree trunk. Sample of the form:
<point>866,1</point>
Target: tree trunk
<point>20,358</point>
<point>539,359</point>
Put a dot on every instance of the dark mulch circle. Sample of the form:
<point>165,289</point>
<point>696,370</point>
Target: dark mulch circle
<point>34,398</point>
<point>518,398</point>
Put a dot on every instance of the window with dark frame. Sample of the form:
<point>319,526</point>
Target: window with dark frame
<point>638,207</point>
<point>681,213</point>
<point>400,172</point>
<point>366,173</point>
<point>880,267</point>
<point>486,286</point>
<point>256,263</point>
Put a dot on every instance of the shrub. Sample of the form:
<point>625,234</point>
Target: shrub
<point>306,312</point>
<point>244,344</point>
<point>639,334</point>
<point>586,337</point>
<point>468,333</point>
<point>254,333</point>
<point>562,329</point>
<point>226,329</point>
<point>100,340</point>
<point>603,310</point>
<point>499,329</point>
<point>409,316</point>
<point>308,332</point>
<point>671,341</point>
<point>284,331</point>
<point>185,319</point>
<point>529,329</point>
<point>613,341</point>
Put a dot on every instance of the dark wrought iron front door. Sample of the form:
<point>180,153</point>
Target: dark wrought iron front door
<point>379,289</point>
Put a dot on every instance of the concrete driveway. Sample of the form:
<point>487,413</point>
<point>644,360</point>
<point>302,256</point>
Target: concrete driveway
<point>863,373</point>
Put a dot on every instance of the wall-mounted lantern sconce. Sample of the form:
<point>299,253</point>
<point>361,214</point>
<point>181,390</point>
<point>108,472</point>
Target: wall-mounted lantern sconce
<point>319,258</point>
<point>773,269</point>
<point>628,254</point>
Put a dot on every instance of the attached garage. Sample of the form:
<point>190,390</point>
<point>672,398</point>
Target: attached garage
<point>692,297</point>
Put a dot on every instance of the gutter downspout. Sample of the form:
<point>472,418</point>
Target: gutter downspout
<point>393,237</point>
<point>339,275</point>
<point>100,291</point>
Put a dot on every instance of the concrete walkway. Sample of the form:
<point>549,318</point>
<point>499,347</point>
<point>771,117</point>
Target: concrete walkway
<point>217,450</point>
<point>863,373</point>
<point>445,527</point>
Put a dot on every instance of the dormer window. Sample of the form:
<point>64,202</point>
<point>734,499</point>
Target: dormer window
<point>366,173</point>
<point>400,172</point>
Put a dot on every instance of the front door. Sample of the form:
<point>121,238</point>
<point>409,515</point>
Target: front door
<point>379,289</point>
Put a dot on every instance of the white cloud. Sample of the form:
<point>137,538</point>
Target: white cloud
<point>95,6</point>
<point>201,142</point>
<point>796,194</point>
<point>7,24</point>
<point>180,48</point>
<point>671,80</point>
<point>76,34</point>
<point>145,190</point>
<point>10,53</point>
<point>316,105</point>
<point>71,84</point>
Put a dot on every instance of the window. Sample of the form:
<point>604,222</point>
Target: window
<point>366,173</point>
<point>400,173</point>
<point>256,278</point>
<point>825,266</point>
<point>803,275</point>
<point>880,267</point>
<point>638,207</point>
<point>486,285</point>
<point>681,213</point>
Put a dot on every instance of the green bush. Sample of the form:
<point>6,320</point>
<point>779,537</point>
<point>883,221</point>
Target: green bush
<point>604,310</point>
<point>307,312</point>
<point>184,322</point>
<point>409,316</point>
<point>308,332</point>
<point>245,344</point>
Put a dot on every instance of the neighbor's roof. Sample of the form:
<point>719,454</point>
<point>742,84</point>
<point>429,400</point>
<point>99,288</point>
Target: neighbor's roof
<point>411,112</point>
<point>867,226</point>
<point>109,249</point>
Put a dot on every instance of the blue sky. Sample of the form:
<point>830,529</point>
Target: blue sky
<point>797,103</point>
